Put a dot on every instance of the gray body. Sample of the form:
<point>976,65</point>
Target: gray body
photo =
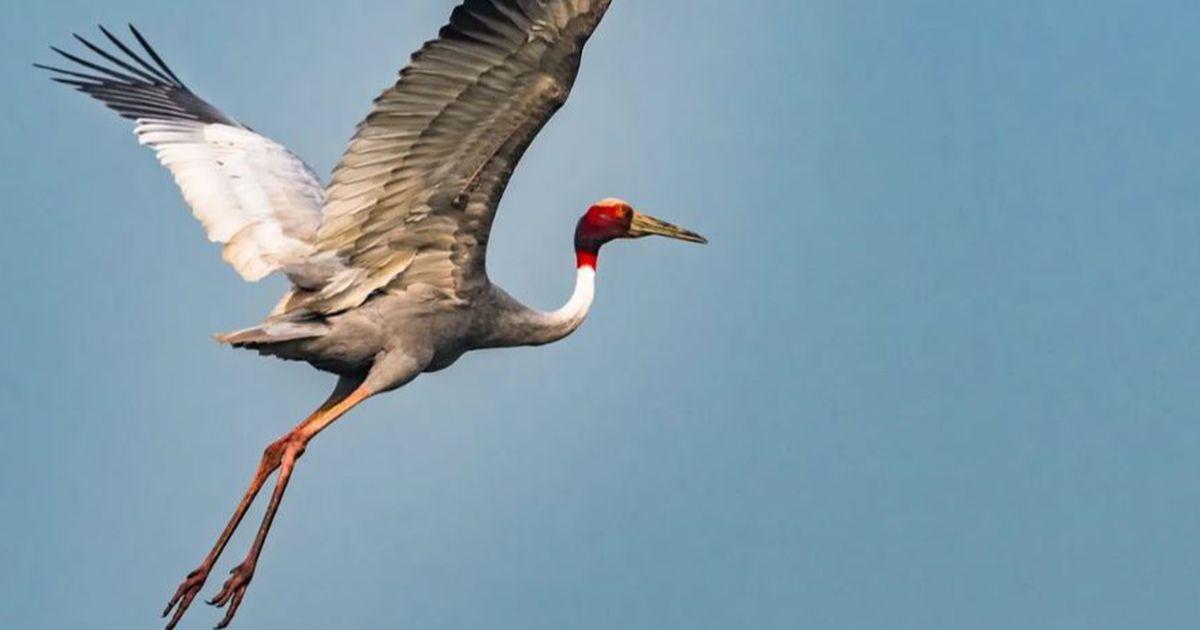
<point>393,337</point>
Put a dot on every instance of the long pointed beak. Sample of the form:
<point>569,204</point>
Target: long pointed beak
<point>645,225</point>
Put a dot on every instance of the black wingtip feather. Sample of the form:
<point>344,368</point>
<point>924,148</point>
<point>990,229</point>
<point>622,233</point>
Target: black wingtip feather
<point>106,55</point>
<point>132,55</point>
<point>75,83</point>
<point>124,78</point>
<point>134,86</point>
<point>154,55</point>
<point>71,73</point>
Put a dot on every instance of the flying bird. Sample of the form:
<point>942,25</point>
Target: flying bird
<point>387,262</point>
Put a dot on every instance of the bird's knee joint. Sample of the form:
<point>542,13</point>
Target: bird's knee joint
<point>286,446</point>
<point>274,451</point>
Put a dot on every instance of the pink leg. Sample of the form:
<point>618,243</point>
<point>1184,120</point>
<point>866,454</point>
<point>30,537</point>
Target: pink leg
<point>272,458</point>
<point>294,444</point>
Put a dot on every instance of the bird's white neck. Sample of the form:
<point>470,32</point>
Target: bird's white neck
<point>566,319</point>
<point>547,327</point>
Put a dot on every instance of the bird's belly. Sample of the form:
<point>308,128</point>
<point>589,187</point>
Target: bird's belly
<point>350,347</point>
<point>337,358</point>
<point>357,339</point>
<point>443,360</point>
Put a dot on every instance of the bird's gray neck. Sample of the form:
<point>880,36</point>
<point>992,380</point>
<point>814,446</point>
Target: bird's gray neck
<point>530,327</point>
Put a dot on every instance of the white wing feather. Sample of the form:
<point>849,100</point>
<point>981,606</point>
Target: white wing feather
<point>252,194</point>
<point>248,191</point>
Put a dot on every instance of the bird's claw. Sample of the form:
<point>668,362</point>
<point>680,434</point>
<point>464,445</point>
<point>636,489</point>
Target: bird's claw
<point>233,591</point>
<point>185,594</point>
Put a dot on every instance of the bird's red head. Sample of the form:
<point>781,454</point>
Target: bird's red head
<point>612,219</point>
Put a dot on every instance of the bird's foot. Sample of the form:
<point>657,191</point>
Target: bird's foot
<point>233,591</point>
<point>185,594</point>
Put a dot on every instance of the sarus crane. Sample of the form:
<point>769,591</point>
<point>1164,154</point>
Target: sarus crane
<point>387,262</point>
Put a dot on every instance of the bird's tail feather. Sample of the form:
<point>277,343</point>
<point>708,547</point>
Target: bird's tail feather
<point>273,332</point>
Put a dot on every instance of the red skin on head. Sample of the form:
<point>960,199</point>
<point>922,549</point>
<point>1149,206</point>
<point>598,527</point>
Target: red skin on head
<point>602,223</point>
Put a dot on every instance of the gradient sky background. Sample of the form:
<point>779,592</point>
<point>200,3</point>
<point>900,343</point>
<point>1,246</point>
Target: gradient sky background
<point>937,368</point>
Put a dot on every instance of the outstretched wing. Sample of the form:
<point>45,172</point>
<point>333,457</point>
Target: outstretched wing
<point>250,193</point>
<point>412,201</point>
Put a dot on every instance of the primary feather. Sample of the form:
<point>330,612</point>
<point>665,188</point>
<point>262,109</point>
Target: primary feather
<point>250,193</point>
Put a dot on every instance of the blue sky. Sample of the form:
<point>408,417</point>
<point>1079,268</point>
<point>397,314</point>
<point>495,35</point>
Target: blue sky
<point>935,370</point>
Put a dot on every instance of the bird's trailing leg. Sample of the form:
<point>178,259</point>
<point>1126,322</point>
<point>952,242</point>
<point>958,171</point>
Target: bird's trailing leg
<point>286,449</point>
<point>294,443</point>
